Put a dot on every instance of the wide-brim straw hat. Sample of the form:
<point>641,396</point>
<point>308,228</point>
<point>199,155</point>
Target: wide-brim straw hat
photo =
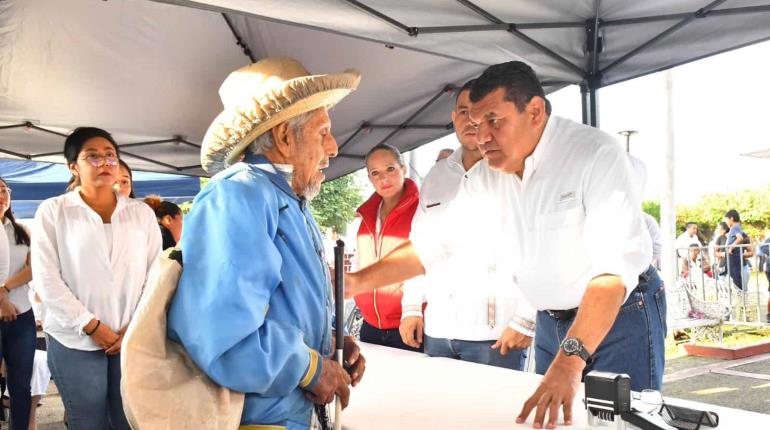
<point>262,95</point>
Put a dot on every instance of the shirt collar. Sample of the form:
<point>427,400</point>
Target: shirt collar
<point>532,162</point>
<point>278,177</point>
<point>73,198</point>
<point>455,160</point>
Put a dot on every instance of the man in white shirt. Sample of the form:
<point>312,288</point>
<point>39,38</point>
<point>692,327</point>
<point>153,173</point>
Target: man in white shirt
<point>600,304</point>
<point>569,186</point>
<point>687,238</point>
<point>474,311</point>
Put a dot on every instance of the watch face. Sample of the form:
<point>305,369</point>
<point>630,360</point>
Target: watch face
<point>571,345</point>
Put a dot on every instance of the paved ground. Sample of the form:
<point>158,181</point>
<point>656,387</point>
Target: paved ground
<point>724,383</point>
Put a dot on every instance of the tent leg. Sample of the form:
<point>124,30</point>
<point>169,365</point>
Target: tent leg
<point>589,104</point>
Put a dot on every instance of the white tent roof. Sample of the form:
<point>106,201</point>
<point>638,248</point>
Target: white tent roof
<point>149,71</point>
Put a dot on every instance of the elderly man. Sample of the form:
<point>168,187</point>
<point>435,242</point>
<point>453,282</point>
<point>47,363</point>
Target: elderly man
<point>474,310</point>
<point>253,306</point>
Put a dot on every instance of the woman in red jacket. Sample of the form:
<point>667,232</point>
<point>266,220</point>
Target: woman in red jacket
<point>386,220</point>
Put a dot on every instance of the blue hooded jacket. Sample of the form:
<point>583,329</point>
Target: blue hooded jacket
<point>253,307</point>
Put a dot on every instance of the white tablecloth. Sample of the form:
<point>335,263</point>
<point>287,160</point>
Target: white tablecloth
<point>405,390</point>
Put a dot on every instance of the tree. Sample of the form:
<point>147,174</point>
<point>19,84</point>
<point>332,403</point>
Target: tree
<point>652,208</point>
<point>336,204</point>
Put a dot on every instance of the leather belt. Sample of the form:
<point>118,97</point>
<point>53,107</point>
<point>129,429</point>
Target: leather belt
<point>568,314</point>
<point>562,315</point>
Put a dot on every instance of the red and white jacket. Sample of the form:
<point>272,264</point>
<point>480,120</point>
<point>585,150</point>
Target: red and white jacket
<point>381,308</point>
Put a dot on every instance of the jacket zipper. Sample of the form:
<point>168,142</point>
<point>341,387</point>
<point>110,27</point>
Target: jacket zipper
<point>377,252</point>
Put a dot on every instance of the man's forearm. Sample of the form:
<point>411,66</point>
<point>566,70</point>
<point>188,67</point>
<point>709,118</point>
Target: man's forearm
<point>399,265</point>
<point>598,310</point>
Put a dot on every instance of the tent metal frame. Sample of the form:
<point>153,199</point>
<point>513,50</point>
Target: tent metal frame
<point>591,75</point>
<point>176,139</point>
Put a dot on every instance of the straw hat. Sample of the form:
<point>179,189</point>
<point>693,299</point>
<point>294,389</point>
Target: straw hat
<point>262,95</point>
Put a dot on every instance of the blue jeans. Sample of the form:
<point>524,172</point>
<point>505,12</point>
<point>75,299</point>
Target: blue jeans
<point>391,338</point>
<point>18,350</point>
<point>89,383</point>
<point>633,346</point>
<point>475,352</point>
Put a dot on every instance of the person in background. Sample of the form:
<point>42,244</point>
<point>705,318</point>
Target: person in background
<point>736,254</point>
<point>386,220</point>
<point>17,328</point>
<point>444,153</point>
<point>687,238</point>
<point>170,220</point>
<point>720,251</point>
<point>475,312</point>
<point>125,181</point>
<point>91,254</point>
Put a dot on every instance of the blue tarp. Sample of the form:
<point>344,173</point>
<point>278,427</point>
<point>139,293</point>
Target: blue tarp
<point>34,182</point>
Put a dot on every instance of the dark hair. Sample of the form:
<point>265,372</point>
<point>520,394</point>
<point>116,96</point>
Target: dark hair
<point>724,226</point>
<point>75,141</point>
<point>518,79</point>
<point>385,147</point>
<point>689,223</point>
<point>21,235</point>
<point>466,87</point>
<point>732,213</point>
<point>162,207</point>
<point>124,165</point>
<point>695,245</point>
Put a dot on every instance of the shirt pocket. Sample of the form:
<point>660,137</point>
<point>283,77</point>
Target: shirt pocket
<point>563,219</point>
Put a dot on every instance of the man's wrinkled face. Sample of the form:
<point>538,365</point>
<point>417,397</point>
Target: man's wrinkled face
<point>465,129</point>
<point>310,152</point>
<point>506,136</point>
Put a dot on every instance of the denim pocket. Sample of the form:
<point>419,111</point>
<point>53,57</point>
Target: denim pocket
<point>635,302</point>
<point>660,302</point>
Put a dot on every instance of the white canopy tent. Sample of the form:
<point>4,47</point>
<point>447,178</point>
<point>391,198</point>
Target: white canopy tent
<point>149,71</point>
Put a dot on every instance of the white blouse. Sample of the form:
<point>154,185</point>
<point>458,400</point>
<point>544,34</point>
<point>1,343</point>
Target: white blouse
<point>17,260</point>
<point>79,276</point>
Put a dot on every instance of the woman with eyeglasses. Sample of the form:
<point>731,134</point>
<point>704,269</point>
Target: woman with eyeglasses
<point>91,254</point>
<point>18,333</point>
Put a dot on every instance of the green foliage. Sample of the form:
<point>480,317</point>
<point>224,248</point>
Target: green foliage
<point>752,205</point>
<point>336,204</point>
<point>652,208</point>
<point>186,206</point>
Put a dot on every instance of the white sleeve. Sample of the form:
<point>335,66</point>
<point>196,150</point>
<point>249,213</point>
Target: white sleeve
<point>4,257</point>
<point>523,319</point>
<point>612,202</point>
<point>427,239</point>
<point>413,298</point>
<point>46,271</point>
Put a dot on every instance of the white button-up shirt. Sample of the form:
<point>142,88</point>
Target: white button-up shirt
<point>4,258</point>
<point>17,260</point>
<point>77,277</point>
<point>468,284</point>
<point>576,214</point>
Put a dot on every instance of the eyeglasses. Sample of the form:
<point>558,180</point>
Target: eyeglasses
<point>99,160</point>
<point>5,191</point>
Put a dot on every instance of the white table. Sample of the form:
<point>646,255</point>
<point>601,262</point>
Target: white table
<point>406,390</point>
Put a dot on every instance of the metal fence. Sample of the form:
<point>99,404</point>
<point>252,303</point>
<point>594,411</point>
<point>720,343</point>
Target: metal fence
<point>719,277</point>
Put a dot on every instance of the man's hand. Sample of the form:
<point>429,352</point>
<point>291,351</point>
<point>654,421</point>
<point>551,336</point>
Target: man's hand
<point>411,330</point>
<point>8,311</point>
<point>334,380</point>
<point>511,339</point>
<point>351,285</point>
<point>557,390</point>
<point>355,360</point>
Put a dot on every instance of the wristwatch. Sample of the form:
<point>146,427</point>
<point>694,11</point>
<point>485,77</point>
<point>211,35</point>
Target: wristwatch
<point>573,346</point>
